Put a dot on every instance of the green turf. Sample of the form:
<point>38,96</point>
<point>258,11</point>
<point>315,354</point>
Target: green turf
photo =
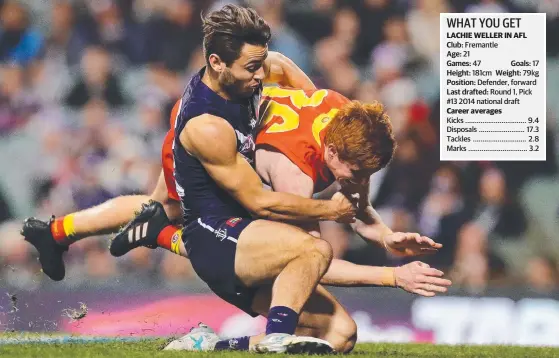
<point>153,349</point>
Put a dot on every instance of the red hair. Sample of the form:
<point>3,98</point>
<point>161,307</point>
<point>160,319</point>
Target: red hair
<point>362,135</point>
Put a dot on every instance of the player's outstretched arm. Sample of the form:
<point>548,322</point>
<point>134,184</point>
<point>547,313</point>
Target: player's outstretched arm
<point>415,277</point>
<point>370,227</point>
<point>212,140</point>
<point>282,70</point>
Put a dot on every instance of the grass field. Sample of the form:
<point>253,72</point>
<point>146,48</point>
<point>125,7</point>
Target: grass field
<point>152,348</point>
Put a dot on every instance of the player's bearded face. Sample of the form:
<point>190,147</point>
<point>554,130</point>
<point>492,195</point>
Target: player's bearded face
<point>234,86</point>
<point>245,74</point>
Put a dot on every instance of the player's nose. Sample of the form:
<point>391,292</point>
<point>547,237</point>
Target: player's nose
<point>260,74</point>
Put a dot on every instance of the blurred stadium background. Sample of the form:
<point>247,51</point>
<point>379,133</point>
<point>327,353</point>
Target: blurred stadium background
<point>86,87</point>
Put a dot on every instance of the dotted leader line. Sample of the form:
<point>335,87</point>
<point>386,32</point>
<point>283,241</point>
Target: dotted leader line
<point>500,141</point>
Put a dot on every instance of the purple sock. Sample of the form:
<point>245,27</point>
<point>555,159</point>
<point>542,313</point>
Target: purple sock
<point>233,344</point>
<point>282,319</point>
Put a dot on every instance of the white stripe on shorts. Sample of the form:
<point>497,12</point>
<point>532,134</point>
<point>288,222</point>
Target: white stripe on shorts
<point>208,227</point>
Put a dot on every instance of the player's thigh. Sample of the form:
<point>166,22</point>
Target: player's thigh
<point>313,228</point>
<point>265,247</point>
<point>322,317</point>
<point>310,227</point>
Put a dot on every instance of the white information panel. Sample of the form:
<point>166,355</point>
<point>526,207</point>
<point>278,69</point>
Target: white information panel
<point>493,86</point>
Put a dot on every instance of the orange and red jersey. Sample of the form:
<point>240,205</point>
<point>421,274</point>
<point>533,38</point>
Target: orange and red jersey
<point>293,122</point>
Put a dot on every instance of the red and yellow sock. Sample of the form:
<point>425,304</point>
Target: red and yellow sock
<point>63,230</point>
<point>170,239</point>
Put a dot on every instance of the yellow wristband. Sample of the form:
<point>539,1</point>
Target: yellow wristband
<point>389,277</point>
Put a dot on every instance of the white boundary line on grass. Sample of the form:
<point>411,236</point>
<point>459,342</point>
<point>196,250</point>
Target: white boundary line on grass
<point>68,339</point>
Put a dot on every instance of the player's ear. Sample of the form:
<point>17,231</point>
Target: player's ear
<point>216,63</point>
<point>331,151</point>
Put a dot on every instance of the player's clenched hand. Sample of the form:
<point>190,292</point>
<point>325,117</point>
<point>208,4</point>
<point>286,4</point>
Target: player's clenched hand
<point>410,244</point>
<point>345,210</point>
<point>417,277</point>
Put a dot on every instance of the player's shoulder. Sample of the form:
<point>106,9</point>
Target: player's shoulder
<point>207,126</point>
<point>208,136</point>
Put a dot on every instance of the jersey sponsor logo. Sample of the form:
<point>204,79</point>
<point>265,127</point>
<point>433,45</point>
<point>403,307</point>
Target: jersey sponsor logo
<point>233,222</point>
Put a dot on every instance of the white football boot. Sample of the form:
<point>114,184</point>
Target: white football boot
<point>287,343</point>
<point>201,338</point>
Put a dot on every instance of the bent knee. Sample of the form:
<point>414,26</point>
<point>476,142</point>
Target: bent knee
<point>317,251</point>
<point>344,334</point>
<point>324,249</point>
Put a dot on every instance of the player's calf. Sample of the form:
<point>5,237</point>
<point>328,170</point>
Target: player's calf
<point>343,334</point>
<point>329,322</point>
<point>305,271</point>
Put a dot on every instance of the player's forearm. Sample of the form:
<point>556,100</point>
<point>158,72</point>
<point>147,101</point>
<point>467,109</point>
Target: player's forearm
<point>286,73</point>
<point>295,77</point>
<point>284,206</point>
<point>370,226</point>
<point>342,273</point>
